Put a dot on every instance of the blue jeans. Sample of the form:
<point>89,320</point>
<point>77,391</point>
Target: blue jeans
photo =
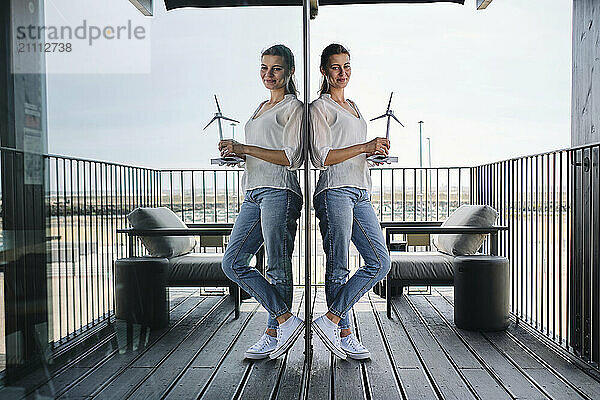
<point>347,214</point>
<point>267,215</point>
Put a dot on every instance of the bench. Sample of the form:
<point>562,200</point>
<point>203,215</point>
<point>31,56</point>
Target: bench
<point>435,268</point>
<point>184,268</point>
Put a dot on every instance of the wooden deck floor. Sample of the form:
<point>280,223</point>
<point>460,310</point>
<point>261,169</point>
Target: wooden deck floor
<point>419,354</point>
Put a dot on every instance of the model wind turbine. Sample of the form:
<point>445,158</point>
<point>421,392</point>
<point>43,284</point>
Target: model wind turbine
<point>231,160</point>
<point>389,114</point>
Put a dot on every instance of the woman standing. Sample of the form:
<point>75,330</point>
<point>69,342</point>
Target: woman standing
<point>272,203</point>
<point>341,200</point>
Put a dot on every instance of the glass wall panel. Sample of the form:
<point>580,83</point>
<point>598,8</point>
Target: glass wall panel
<point>111,110</point>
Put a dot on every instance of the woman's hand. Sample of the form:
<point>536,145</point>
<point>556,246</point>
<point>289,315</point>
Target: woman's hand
<point>377,146</point>
<point>230,147</point>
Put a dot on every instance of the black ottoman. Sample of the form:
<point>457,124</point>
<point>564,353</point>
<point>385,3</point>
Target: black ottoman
<point>481,292</point>
<point>141,295</point>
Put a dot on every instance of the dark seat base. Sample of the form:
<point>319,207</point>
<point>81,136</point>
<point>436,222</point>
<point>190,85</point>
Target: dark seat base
<point>141,289</point>
<point>481,293</point>
<point>141,294</point>
<point>485,306</point>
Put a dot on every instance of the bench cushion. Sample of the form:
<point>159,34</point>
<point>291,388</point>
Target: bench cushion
<point>480,216</point>
<point>196,267</point>
<point>424,265</point>
<point>161,217</point>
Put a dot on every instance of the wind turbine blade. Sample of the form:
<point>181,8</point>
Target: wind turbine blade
<point>229,119</point>
<point>211,121</point>
<point>390,102</point>
<point>217,101</point>
<point>397,120</point>
<point>381,116</point>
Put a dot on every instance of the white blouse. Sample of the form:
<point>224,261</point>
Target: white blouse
<point>334,127</point>
<point>278,128</point>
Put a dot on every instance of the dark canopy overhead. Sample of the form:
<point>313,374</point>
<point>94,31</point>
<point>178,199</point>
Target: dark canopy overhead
<point>173,4</point>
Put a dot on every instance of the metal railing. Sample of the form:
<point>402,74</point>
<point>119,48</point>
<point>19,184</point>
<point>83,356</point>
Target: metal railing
<point>398,194</point>
<point>87,201</point>
<point>535,195</point>
<point>551,291</point>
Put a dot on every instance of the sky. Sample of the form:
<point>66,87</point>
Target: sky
<point>489,85</point>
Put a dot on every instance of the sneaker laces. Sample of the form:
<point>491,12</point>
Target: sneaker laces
<point>352,342</point>
<point>263,341</point>
<point>337,337</point>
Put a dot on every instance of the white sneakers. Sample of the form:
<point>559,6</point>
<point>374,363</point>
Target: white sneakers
<point>329,333</point>
<point>287,333</point>
<point>353,348</point>
<point>261,349</point>
<point>348,346</point>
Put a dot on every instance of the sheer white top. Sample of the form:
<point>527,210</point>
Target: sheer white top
<point>278,128</point>
<point>334,127</point>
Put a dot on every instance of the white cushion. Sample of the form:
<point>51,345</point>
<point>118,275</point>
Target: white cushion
<point>480,216</point>
<point>161,217</point>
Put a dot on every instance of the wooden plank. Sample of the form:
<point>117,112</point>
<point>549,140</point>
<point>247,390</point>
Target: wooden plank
<point>191,383</point>
<point>117,364</point>
<point>347,375</point>
<point>512,349</point>
<point>130,378</point>
<point>168,370</point>
<point>412,373</point>
<point>445,376</point>
<point>266,373</point>
<point>66,376</point>
<point>449,341</point>
<point>49,389</point>
<point>178,295</point>
<point>320,376</point>
<point>570,372</point>
<point>51,380</point>
<point>510,377</point>
<point>528,352</point>
<point>553,385</point>
<point>123,384</point>
<point>180,305</point>
<point>470,368</point>
<point>446,292</point>
<point>484,384</point>
<point>127,377</point>
<point>234,368</point>
<point>290,384</point>
<point>176,336</point>
<point>196,378</point>
<point>379,369</point>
